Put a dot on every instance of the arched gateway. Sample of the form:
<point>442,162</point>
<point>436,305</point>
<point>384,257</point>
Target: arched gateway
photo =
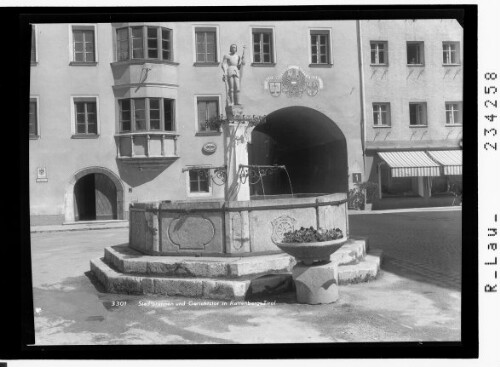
<point>94,193</point>
<point>309,144</point>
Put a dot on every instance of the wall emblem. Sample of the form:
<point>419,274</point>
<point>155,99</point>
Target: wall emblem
<point>293,82</point>
<point>281,225</point>
<point>209,148</point>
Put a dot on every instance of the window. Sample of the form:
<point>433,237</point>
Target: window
<point>85,116</point>
<point>451,54</point>
<point>262,40</point>
<point>33,58</point>
<point>378,53</point>
<point>418,114</point>
<point>415,53</point>
<point>208,108</point>
<point>83,45</point>
<point>33,118</point>
<point>146,114</point>
<point>381,114</point>
<point>320,47</point>
<point>199,181</point>
<point>144,42</point>
<point>206,45</point>
<point>453,113</point>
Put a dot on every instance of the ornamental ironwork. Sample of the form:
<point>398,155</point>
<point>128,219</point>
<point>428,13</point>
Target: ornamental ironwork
<point>293,82</point>
<point>252,120</point>
<point>254,174</point>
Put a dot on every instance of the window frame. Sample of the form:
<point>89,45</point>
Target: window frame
<point>424,104</point>
<point>147,115</point>
<point>206,28</point>
<point>272,45</point>
<point>194,194</point>
<point>460,113</point>
<point>84,98</point>
<point>328,33</point>
<point>145,47</point>
<point>388,114</point>
<point>421,45</point>
<point>457,53</point>
<point>82,27</point>
<point>386,53</point>
<point>34,45</point>
<point>36,100</point>
<point>211,97</point>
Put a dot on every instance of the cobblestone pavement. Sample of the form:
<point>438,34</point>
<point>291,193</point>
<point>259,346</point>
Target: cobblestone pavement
<point>422,245</point>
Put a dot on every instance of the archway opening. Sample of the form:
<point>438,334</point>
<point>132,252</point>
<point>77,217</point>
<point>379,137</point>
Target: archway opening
<point>95,198</point>
<point>309,144</point>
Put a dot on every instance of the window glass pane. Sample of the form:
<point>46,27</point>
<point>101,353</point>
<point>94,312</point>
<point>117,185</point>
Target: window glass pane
<point>152,42</point>
<point>92,128</point>
<point>80,128</point>
<point>202,115</point>
<point>137,45</point>
<point>168,109</point>
<point>32,119</point>
<point>78,36</point>
<point>165,44</point>
<point>122,43</point>
<point>33,45</point>
<point>140,114</point>
<point>203,183</point>
<point>213,109</point>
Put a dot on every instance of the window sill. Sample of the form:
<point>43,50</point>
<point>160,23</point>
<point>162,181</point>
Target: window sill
<point>208,133</point>
<point>453,125</point>
<point>379,65</point>
<point>34,137</point>
<point>143,61</point>
<point>194,195</point>
<point>320,65</point>
<point>415,65</point>
<point>419,126</point>
<point>155,132</point>
<point>206,64</point>
<point>451,65</point>
<point>263,64</point>
<point>85,136</point>
<point>77,63</point>
<point>381,126</point>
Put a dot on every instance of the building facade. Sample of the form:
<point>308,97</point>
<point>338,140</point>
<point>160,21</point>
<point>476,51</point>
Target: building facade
<point>413,81</point>
<point>118,112</point>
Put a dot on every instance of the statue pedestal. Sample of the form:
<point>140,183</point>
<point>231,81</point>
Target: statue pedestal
<point>237,134</point>
<point>316,284</point>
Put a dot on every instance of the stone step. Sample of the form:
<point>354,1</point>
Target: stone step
<point>222,289</point>
<point>129,261</point>
<point>364,271</point>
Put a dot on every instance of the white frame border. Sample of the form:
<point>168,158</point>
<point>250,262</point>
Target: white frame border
<point>70,38</point>
<point>72,112</point>
<point>330,46</point>
<point>217,40</point>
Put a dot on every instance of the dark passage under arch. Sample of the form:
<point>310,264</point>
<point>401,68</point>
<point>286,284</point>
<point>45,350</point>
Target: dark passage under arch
<point>309,144</point>
<point>95,198</point>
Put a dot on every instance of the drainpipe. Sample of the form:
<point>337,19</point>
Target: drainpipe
<point>361,92</point>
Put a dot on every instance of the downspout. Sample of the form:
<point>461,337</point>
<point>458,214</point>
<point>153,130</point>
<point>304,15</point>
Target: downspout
<point>361,93</point>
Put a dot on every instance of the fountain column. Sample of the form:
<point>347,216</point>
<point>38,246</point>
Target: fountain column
<point>237,135</point>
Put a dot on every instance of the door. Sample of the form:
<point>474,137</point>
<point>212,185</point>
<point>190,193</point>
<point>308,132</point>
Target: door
<point>105,198</point>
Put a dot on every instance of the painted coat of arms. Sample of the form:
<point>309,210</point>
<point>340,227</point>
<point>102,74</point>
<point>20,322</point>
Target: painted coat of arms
<point>293,82</point>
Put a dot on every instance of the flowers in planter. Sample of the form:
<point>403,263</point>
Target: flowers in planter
<point>364,193</point>
<point>312,235</point>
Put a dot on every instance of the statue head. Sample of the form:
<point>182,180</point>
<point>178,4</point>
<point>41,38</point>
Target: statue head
<point>233,48</point>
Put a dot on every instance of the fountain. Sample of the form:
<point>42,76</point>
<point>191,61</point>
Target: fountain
<point>225,248</point>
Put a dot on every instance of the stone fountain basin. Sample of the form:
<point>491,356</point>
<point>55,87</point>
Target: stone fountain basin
<point>310,252</point>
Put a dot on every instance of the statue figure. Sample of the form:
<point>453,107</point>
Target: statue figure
<point>231,65</point>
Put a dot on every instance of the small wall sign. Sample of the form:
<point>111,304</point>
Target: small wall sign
<point>209,148</point>
<point>356,177</point>
<point>41,174</point>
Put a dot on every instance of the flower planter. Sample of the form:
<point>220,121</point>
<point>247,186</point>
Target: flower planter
<point>310,252</point>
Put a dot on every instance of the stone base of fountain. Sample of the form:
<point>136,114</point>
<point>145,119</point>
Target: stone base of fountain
<point>316,284</point>
<point>125,270</point>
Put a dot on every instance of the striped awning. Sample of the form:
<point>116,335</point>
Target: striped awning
<point>450,159</point>
<point>410,164</point>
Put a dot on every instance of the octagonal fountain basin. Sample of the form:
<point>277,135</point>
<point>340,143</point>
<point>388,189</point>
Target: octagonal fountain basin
<point>231,228</point>
<point>310,252</point>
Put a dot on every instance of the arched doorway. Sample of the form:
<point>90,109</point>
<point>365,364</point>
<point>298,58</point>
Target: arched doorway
<point>309,144</point>
<point>94,193</point>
